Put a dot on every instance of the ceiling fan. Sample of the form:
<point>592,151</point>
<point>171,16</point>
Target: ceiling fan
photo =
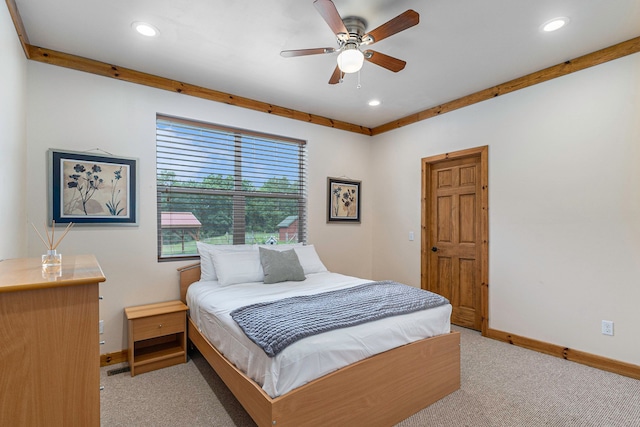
<point>350,34</point>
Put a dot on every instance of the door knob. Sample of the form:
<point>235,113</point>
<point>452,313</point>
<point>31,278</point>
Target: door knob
<point>434,249</point>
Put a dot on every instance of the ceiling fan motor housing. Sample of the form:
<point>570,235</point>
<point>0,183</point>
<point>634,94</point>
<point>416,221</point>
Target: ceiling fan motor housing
<point>356,27</point>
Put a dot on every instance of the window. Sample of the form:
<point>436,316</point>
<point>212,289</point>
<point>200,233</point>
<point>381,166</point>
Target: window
<point>226,186</point>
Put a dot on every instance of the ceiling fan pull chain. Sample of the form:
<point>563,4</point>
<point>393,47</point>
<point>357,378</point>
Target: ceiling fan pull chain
<point>358,86</point>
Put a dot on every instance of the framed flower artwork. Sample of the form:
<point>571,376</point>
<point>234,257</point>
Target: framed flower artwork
<point>86,188</point>
<point>343,200</point>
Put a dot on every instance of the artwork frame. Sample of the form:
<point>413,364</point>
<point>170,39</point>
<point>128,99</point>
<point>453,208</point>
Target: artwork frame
<point>92,189</point>
<point>344,198</point>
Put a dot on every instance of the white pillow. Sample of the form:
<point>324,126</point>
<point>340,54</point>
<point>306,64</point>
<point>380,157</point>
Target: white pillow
<point>233,267</point>
<point>207,269</point>
<point>309,259</point>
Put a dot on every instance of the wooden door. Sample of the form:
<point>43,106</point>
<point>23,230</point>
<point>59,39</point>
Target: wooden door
<point>454,248</point>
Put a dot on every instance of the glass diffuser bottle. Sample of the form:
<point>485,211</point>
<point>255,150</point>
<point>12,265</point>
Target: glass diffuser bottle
<point>52,261</point>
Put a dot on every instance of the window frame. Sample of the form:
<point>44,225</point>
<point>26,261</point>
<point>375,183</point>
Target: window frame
<point>239,196</point>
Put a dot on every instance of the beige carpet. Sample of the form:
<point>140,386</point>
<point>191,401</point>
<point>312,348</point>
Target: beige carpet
<point>502,385</point>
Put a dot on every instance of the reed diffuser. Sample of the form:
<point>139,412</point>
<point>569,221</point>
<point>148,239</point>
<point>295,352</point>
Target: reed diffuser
<point>52,260</point>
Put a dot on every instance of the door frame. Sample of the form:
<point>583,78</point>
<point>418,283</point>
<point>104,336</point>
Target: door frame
<point>483,265</point>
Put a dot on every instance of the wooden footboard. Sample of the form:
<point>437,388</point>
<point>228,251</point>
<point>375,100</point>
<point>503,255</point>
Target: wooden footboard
<point>379,391</point>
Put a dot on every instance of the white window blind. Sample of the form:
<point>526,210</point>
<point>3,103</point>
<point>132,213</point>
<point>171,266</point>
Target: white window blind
<point>226,186</point>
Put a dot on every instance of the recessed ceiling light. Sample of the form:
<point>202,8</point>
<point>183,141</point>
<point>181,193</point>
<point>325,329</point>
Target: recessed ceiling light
<point>145,29</point>
<point>374,103</point>
<point>554,24</point>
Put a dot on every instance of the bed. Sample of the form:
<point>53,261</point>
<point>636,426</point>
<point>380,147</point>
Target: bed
<point>379,390</point>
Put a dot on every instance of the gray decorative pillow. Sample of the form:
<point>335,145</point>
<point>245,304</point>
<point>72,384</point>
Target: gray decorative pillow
<point>281,266</point>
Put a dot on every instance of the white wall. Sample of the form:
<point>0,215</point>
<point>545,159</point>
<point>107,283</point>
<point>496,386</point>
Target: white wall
<point>12,140</point>
<point>564,205</point>
<point>76,111</point>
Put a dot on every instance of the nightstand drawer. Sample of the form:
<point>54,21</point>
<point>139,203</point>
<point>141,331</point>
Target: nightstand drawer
<point>159,325</point>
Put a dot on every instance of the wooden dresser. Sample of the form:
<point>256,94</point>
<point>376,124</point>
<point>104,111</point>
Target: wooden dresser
<point>49,343</point>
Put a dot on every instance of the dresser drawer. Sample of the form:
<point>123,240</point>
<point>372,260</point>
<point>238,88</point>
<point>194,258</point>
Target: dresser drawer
<point>159,325</point>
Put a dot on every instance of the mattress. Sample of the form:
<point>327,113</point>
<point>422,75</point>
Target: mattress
<point>210,305</point>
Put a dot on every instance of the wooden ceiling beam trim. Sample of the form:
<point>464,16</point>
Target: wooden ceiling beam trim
<point>17,22</point>
<point>595,58</point>
<point>78,63</point>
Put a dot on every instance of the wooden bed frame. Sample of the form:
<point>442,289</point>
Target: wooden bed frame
<point>379,391</point>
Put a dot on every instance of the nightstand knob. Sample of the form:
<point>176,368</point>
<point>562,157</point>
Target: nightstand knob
<point>160,325</point>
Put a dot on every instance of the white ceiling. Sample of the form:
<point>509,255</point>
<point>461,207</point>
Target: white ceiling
<point>459,47</point>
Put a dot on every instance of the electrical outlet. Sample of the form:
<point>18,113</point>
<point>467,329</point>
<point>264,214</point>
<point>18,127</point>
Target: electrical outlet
<point>101,327</point>
<point>607,327</point>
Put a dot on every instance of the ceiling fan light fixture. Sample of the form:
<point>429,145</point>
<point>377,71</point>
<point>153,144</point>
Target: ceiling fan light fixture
<point>350,59</point>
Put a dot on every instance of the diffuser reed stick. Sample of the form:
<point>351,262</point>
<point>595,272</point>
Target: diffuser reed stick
<point>40,236</point>
<point>49,244</point>
<point>66,230</point>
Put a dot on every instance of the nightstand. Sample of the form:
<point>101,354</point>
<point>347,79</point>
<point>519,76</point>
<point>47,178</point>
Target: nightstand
<point>157,336</point>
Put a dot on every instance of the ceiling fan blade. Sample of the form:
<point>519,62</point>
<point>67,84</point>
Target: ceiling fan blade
<point>385,61</point>
<point>330,14</point>
<point>303,52</point>
<point>400,23</point>
<point>335,77</point>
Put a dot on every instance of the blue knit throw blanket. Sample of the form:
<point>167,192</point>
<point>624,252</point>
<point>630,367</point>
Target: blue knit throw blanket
<point>275,325</point>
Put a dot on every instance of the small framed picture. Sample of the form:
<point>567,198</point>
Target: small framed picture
<point>87,188</point>
<point>343,200</point>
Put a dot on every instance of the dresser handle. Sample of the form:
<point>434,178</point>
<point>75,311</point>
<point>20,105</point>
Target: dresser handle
<point>160,325</point>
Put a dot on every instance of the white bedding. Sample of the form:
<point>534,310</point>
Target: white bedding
<point>311,357</point>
